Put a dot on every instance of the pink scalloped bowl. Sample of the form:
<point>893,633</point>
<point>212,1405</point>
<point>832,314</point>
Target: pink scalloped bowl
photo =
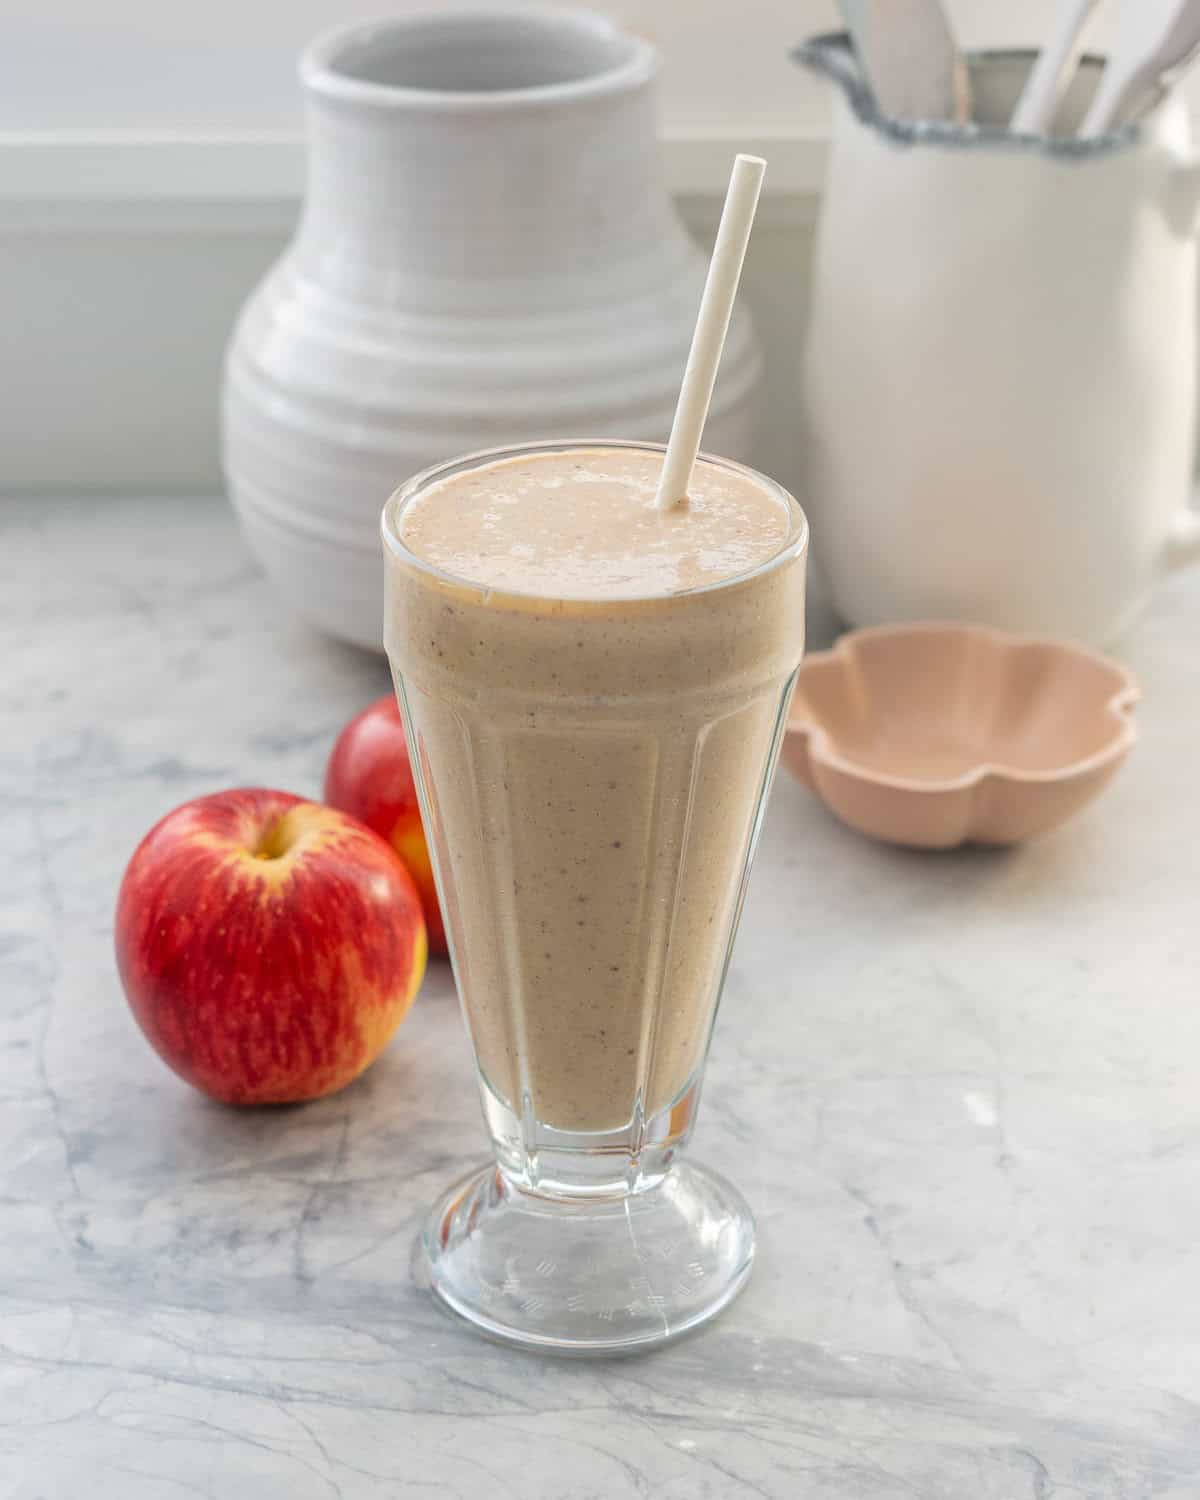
<point>937,735</point>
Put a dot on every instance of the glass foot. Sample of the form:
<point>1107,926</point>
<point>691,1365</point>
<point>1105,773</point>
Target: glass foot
<point>611,1275</point>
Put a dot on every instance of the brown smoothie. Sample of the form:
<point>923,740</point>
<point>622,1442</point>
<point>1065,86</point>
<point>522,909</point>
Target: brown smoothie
<point>594,689</point>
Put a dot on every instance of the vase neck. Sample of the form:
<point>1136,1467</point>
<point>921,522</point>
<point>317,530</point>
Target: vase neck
<point>432,196</point>
<point>488,160</point>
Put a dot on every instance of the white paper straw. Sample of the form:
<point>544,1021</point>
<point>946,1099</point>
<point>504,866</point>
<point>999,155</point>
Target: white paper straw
<point>712,324</point>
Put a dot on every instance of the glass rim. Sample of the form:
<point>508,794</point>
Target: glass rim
<point>389,521</point>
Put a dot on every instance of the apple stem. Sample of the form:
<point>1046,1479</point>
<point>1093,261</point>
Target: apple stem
<point>274,841</point>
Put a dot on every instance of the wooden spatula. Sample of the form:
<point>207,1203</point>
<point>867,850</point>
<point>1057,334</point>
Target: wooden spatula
<point>908,54</point>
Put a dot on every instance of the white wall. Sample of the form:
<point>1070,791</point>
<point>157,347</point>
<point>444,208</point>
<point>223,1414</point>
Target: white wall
<point>226,65</point>
<point>150,159</point>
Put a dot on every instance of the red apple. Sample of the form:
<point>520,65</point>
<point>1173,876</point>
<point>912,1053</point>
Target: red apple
<point>369,775</point>
<point>268,947</point>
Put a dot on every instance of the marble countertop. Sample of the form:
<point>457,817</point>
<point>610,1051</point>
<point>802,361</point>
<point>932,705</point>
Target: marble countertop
<point>962,1093</point>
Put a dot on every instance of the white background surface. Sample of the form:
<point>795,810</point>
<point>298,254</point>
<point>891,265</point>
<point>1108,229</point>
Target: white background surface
<point>227,66</point>
<point>151,160</point>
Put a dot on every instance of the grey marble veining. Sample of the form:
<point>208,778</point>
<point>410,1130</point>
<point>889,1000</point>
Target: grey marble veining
<point>963,1094</point>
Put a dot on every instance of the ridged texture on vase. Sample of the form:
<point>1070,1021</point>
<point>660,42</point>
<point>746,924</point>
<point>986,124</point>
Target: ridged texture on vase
<point>325,415</point>
<point>461,278</point>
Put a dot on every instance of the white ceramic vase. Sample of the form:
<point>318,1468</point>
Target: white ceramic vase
<point>487,254</point>
<point>999,379</point>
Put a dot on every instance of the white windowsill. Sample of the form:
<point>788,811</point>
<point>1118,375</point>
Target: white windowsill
<point>98,180</point>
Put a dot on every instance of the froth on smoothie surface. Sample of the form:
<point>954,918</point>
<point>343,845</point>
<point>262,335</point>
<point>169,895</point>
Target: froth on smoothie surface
<point>582,524</point>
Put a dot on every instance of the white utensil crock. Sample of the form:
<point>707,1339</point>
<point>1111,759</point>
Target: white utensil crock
<point>999,379</point>
<point>486,254</point>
